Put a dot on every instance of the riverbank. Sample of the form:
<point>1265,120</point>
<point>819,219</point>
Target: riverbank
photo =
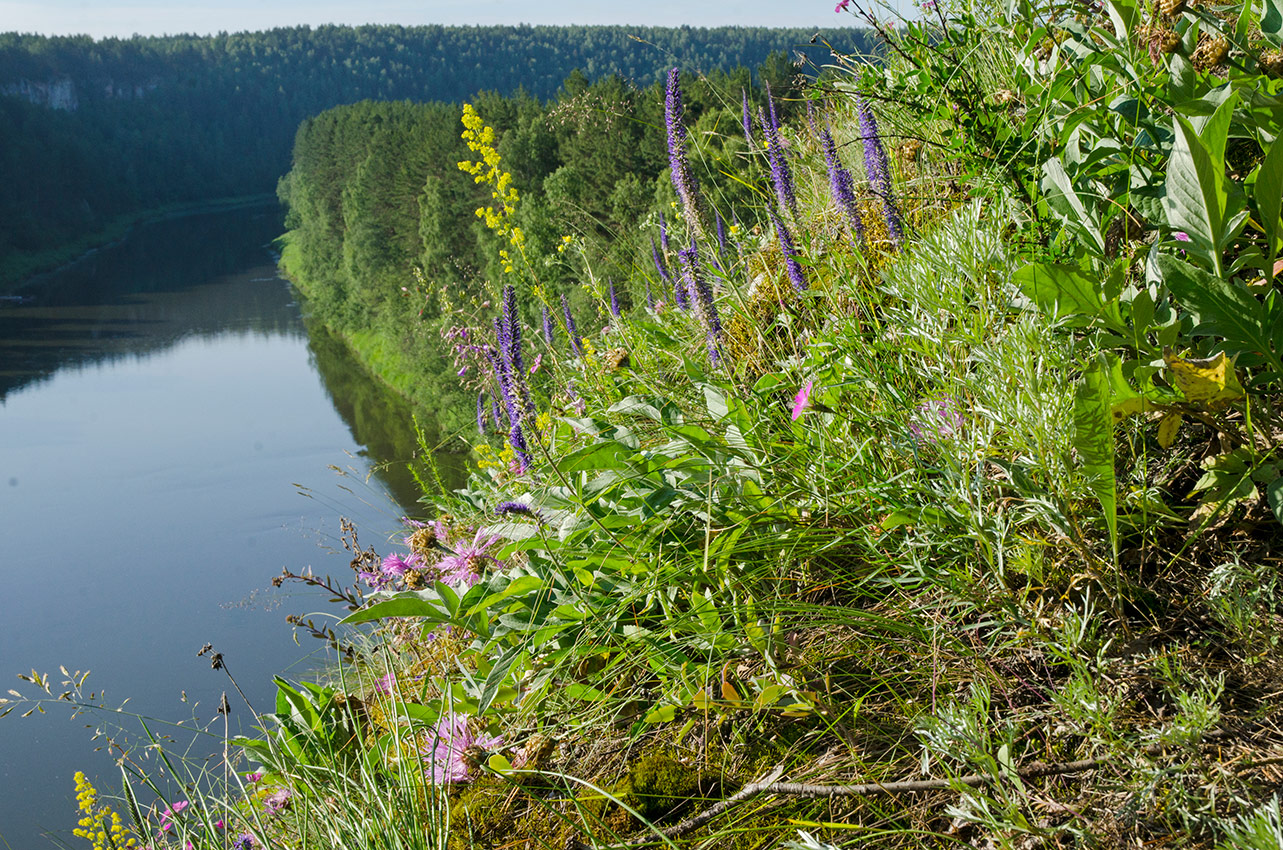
<point>21,270</point>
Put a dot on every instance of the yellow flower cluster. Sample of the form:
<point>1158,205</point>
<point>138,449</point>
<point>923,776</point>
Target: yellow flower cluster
<point>99,825</point>
<point>498,216</point>
<point>487,458</point>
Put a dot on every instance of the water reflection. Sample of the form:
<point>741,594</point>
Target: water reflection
<point>147,293</point>
<point>158,417</point>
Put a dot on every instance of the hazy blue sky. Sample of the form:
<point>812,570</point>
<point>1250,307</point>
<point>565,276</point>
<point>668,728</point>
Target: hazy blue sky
<point>158,17</point>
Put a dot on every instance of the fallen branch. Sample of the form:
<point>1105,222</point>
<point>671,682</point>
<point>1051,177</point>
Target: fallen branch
<point>769,785</point>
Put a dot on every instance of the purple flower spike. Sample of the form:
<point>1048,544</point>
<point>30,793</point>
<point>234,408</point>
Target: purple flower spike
<point>663,233</point>
<point>878,171</point>
<point>701,299</point>
<point>660,265</point>
<point>614,300</point>
<point>790,253</point>
<point>481,413</point>
<point>748,120</point>
<point>683,177</point>
<point>721,234</point>
<point>519,509</point>
<point>549,331</point>
<point>841,185</point>
<point>576,344</point>
<point>781,174</point>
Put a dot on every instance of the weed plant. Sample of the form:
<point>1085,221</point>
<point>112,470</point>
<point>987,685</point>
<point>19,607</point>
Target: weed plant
<point>935,511</point>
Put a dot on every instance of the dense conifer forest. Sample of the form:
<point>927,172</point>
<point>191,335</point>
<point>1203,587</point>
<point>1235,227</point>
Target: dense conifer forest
<point>93,130</point>
<point>383,236</point>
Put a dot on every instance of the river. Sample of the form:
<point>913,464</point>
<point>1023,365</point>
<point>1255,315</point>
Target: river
<point>171,437</point>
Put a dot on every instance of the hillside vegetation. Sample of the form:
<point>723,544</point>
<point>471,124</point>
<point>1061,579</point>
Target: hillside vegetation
<point>921,488</point>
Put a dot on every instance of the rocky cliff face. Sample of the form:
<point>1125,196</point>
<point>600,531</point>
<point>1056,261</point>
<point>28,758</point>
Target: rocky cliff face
<point>55,94</point>
<point>62,94</point>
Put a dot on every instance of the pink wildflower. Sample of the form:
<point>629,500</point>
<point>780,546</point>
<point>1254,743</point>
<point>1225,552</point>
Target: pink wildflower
<point>802,400</point>
<point>451,742</point>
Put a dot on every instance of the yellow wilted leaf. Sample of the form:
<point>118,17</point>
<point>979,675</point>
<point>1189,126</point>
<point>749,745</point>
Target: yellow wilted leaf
<point>1130,407</point>
<point>1168,427</point>
<point>1209,381</point>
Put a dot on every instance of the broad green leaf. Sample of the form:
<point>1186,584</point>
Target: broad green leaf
<point>1059,289</point>
<point>1272,21</point>
<point>1094,441</point>
<point>1198,200</point>
<point>1065,202</point>
<point>496,676</point>
<point>407,605</point>
<point>594,456</point>
<point>578,690</point>
<point>1274,493</point>
<point>519,585</point>
<point>1224,310</point>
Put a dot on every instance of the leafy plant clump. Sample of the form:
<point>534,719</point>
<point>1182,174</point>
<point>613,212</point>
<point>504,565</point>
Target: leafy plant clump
<point>926,494</point>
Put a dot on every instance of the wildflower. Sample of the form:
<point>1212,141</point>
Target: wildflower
<point>841,185</point>
<point>614,299</point>
<point>936,420</point>
<point>802,400</point>
<point>877,170</point>
<point>456,750</point>
<point>841,7</point>
<point>683,177</point>
<point>519,508</point>
<point>721,233</point>
<point>254,777</point>
<point>701,298</point>
<point>1181,236</point>
<point>549,333</point>
<point>534,367</point>
<point>520,449</point>
<point>469,559</point>
<point>748,120</point>
<point>385,684</point>
<point>576,344</point>
<point>246,842</point>
<point>278,801</point>
<point>481,413</point>
<point>660,265</point>
<point>663,233</point>
<point>781,174</point>
<point>790,253</point>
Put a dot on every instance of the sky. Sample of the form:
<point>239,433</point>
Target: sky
<point>162,17</point>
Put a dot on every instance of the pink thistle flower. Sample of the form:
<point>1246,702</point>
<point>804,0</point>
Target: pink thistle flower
<point>453,746</point>
<point>802,400</point>
<point>468,560</point>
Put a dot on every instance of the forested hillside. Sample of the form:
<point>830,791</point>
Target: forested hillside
<point>91,130</point>
<point>385,241</point>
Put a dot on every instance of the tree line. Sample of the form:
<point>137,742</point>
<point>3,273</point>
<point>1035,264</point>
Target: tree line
<point>160,120</point>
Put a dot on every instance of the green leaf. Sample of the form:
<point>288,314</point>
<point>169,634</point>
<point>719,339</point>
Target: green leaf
<point>1094,441</point>
<point>1069,207</point>
<point>1223,309</point>
<point>497,674</point>
<point>519,585</point>
<point>1059,289</point>
<point>404,605</point>
<point>1197,200</point>
<point>1272,21</point>
<point>1274,493</point>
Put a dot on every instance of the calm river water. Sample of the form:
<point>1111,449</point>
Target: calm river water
<point>167,432</point>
